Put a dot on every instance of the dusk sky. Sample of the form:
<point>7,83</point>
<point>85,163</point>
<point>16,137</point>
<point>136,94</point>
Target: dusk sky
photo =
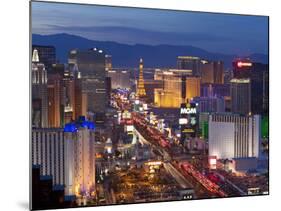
<point>222,33</point>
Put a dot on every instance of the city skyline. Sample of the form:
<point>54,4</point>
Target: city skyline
<point>120,124</point>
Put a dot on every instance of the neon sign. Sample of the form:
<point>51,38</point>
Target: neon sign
<point>244,64</point>
<point>188,111</point>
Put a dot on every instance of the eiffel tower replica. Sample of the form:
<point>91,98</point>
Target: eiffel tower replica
<point>140,86</point>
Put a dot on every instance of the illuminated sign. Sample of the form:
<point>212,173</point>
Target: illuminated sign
<point>144,107</point>
<point>188,111</point>
<point>244,64</point>
<point>126,115</point>
<point>212,162</point>
<point>154,163</point>
<point>188,130</point>
<point>129,128</point>
<point>183,121</point>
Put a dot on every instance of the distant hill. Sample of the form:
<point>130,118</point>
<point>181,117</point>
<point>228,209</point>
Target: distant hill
<point>124,55</point>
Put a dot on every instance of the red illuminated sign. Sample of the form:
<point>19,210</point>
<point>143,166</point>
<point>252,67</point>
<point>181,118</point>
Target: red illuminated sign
<point>244,64</point>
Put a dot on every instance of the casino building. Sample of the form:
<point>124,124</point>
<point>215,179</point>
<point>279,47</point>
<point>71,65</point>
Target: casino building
<point>234,136</point>
<point>79,158</point>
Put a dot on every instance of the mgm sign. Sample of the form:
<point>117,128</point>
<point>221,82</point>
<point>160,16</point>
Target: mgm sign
<point>188,120</point>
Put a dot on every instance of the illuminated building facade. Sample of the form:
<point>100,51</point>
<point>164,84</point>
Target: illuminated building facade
<point>211,90</point>
<point>48,152</point>
<point>47,55</point>
<point>190,63</point>
<point>240,93</point>
<point>108,62</point>
<point>91,65</point>
<point>55,106</point>
<point>80,98</point>
<point>212,72</point>
<point>178,88</point>
<point>140,86</point>
<point>69,96</point>
<point>192,87</point>
<point>257,73</point>
<point>39,92</point>
<point>210,104</point>
<point>242,68</point>
<point>150,87</point>
<point>79,158</point>
<point>119,78</point>
<point>240,137</point>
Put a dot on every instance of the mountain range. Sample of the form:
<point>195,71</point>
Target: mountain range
<point>124,55</point>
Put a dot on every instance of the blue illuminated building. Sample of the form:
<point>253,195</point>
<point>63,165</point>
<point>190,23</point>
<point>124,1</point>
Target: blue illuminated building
<point>82,122</point>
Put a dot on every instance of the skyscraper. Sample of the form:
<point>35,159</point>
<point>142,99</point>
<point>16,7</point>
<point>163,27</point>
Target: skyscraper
<point>39,92</point>
<point>119,78</point>
<point>210,104</point>
<point>79,158</point>
<point>234,136</point>
<point>192,87</point>
<point>55,106</point>
<point>178,87</point>
<point>212,72</point>
<point>242,68</point>
<point>108,62</point>
<point>140,86</point>
<point>240,93</point>
<point>91,65</point>
<point>218,72</point>
<point>259,88</point>
<point>190,63</point>
<point>80,104</point>
<point>47,55</point>
<point>48,152</point>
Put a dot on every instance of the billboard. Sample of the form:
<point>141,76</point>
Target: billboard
<point>188,120</point>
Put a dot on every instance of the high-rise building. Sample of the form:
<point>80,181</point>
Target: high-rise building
<point>119,78</point>
<point>256,73</point>
<point>81,104</point>
<point>240,93</point>
<point>259,88</point>
<point>140,86</point>
<point>212,72</point>
<point>48,152</point>
<point>234,136</point>
<point>150,87</point>
<point>69,95</point>
<point>218,72</point>
<point>265,99</point>
<point>211,90</point>
<point>108,62</point>
<point>55,106</point>
<point>39,92</point>
<point>79,158</point>
<point>242,68</point>
<point>207,73</point>
<point>91,65</point>
<point>178,88</point>
<point>190,63</point>
<point>210,104</point>
<point>47,55</point>
<point>192,87</point>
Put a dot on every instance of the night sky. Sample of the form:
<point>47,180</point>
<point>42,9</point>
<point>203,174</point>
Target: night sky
<point>222,33</point>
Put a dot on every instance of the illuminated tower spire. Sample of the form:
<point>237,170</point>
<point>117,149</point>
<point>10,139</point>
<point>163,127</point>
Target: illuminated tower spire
<point>140,87</point>
<point>35,56</point>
